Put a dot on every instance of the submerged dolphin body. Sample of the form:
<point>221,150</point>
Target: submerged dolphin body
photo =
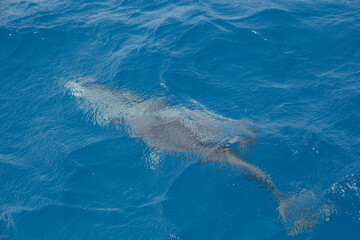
<point>180,130</point>
<point>169,129</point>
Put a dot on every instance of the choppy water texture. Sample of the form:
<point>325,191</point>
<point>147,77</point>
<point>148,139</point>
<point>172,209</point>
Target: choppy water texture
<point>277,81</point>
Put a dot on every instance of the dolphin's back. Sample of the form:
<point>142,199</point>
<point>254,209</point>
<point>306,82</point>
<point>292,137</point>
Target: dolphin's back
<point>166,134</point>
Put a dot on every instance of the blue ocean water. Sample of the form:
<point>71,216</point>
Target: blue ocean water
<point>67,171</point>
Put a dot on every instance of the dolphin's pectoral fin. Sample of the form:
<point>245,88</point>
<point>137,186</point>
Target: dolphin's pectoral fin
<point>204,160</point>
<point>117,123</point>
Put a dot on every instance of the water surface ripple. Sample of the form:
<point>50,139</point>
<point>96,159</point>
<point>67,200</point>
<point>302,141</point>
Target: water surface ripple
<point>292,69</point>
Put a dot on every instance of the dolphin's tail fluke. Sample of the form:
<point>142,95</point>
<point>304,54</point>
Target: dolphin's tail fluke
<point>302,212</point>
<point>299,212</point>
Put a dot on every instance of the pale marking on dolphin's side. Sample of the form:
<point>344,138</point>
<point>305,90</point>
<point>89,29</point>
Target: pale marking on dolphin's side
<point>198,131</point>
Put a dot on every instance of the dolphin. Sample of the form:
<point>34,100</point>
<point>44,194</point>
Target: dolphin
<point>177,129</point>
<point>169,129</point>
